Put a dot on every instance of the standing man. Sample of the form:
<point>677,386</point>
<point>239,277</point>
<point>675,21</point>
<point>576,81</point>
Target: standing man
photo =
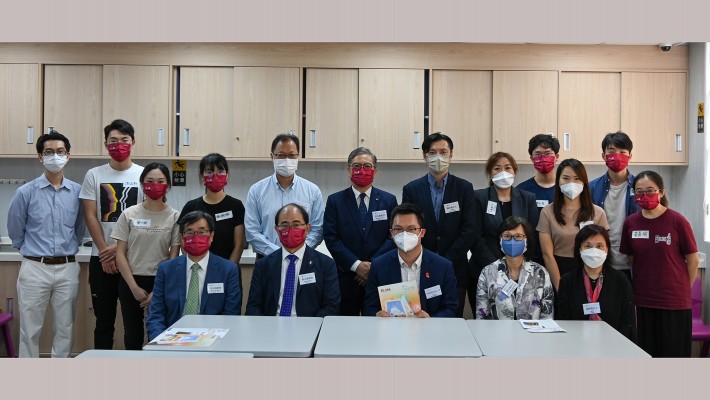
<point>356,228</point>
<point>46,224</point>
<point>544,150</point>
<point>613,192</point>
<point>107,191</point>
<point>448,204</point>
<point>267,196</point>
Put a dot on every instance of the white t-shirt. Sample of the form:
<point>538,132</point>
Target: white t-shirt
<point>615,208</point>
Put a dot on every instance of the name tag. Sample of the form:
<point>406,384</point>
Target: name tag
<point>223,215</point>
<point>542,203</point>
<point>591,308</point>
<point>130,184</point>
<point>639,235</point>
<point>215,288</point>
<point>509,288</point>
<point>492,207</point>
<point>433,291</point>
<point>305,279</point>
<point>141,223</point>
<point>379,215</point>
<point>585,223</point>
<point>451,207</point>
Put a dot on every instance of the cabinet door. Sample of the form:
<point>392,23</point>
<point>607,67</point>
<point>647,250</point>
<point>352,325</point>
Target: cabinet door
<point>140,95</point>
<point>206,111</point>
<point>653,114</point>
<point>590,107</point>
<point>72,105</point>
<point>391,120</point>
<point>463,110</point>
<point>266,103</point>
<point>524,105</point>
<point>331,113</point>
<point>19,108</point>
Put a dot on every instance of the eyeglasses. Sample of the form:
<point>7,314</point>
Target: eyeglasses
<point>642,192</point>
<point>366,167</point>
<point>125,139</point>
<point>49,153</point>
<point>518,236</point>
<point>201,232</point>
<point>281,156</point>
<point>219,172</point>
<point>295,225</point>
<point>410,229</point>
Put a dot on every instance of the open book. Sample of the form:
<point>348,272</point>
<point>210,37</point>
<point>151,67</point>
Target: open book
<point>400,299</point>
<point>197,337</point>
<point>540,325</point>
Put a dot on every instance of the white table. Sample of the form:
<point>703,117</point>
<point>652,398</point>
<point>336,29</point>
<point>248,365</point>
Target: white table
<point>159,354</point>
<point>395,337</point>
<point>260,335</point>
<point>583,339</point>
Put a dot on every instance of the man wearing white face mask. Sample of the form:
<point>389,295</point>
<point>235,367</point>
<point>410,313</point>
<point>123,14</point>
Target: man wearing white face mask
<point>267,196</point>
<point>412,262</point>
<point>46,224</point>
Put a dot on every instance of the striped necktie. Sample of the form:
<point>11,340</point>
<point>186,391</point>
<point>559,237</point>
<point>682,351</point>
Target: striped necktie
<point>289,287</point>
<point>192,304</point>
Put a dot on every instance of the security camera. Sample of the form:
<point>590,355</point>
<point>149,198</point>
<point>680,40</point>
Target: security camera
<point>665,46</point>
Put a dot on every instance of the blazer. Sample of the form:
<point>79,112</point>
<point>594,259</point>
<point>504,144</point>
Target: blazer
<point>170,292</point>
<point>452,236</point>
<point>435,271</point>
<point>317,299</point>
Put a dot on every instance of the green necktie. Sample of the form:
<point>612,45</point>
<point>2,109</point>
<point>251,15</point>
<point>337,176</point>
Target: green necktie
<point>192,305</point>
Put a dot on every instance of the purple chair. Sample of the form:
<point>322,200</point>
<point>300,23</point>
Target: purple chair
<point>5,319</point>
<point>701,332</point>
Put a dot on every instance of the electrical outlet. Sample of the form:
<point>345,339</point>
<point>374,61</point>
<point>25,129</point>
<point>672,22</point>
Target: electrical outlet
<point>12,181</point>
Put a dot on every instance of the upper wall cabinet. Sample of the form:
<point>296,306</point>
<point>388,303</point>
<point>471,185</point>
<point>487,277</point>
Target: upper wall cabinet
<point>19,108</point>
<point>462,109</point>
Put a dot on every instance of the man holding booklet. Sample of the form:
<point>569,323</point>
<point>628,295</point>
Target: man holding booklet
<point>410,280</point>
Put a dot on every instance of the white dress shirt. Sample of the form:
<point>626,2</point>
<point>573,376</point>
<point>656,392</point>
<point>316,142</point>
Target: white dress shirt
<point>284,268</point>
<point>411,273</point>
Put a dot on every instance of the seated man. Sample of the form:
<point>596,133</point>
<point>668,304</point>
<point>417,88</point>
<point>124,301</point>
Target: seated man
<point>294,280</point>
<point>178,281</point>
<point>410,261</point>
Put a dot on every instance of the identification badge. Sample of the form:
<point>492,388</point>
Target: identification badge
<point>305,279</point>
<point>223,215</point>
<point>639,235</point>
<point>131,184</point>
<point>492,207</point>
<point>591,308</point>
<point>509,288</point>
<point>215,288</point>
<point>141,223</point>
<point>379,215</point>
<point>433,291</point>
<point>585,223</point>
<point>542,203</point>
<point>451,207</point>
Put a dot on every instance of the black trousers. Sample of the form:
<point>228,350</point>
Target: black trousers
<point>104,298</point>
<point>469,288</point>
<point>133,314</point>
<point>664,333</point>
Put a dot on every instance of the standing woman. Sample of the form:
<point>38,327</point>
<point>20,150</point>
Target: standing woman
<point>146,234</point>
<point>561,221</point>
<point>664,262</point>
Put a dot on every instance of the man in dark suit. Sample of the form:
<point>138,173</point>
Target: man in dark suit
<point>178,281</point>
<point>410,261</point>
<point>295,280</point>
<point>447,203</point>
<point>356,228</point>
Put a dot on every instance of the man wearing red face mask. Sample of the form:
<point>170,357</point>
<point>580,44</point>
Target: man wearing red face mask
<point>296,280</point>
<point>197,282</point>
<point>544,150</point>
<point>356,228</point>
<point>107,191</point>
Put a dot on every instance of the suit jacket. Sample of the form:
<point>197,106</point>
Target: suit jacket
<point>348,241</point>
<point>170,292</point>
<point>317,299</point>
<point>452,236</point>
<point>435,271</point>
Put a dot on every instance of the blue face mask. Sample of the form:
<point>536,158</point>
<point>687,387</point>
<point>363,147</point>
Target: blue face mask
<point>513,248</point>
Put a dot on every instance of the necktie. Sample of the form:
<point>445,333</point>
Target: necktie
<point>289,287</point>
<point>363,210</point>
<point>192,304</point>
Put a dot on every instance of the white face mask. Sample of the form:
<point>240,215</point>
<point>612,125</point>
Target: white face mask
<point>593,258</point>
<point>438,163</point>
<point>54,163</point>
<point>406,241</point>
<point>572,190</point>
<point>285,167</point>
<point>503,179</point>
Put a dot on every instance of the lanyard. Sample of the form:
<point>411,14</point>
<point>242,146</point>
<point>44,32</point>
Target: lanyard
<point>593,297</point>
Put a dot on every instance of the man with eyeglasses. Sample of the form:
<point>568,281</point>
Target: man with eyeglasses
<point>356,228</point>
<point>45,222</point>
<point>410,261</point>
<point>544,150</point>
<point>269,195</point>
<point>107,191</point>
<point>296,281</point>
<point>198,282</point>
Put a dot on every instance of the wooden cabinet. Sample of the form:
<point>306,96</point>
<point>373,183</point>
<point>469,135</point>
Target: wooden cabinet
<point>19,108</point>
<point>462,109</point>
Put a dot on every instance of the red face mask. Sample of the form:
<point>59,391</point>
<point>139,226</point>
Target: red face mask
<point>119,151</point>
<point>196,245</point>
<point>215,183</point>
<point>617,162</point>
<point>361,177</point>
<point>155,190</point>
<point>648,201</point>
<point>544,163</point>
<point>292,238</point>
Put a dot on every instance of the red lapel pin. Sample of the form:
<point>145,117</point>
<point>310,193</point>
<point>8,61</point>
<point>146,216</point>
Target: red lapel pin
<point>427,275</point>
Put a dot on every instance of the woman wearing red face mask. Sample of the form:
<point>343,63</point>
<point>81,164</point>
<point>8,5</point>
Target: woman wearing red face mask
<point>664,262</point>
<point>146,235</point>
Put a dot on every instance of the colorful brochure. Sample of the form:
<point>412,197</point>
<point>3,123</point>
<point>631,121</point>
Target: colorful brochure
<point>194,337</point>
<point>541,325</point>
<point>400,299</point>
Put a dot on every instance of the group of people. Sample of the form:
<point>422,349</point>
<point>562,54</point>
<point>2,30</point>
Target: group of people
<point>555,246</point>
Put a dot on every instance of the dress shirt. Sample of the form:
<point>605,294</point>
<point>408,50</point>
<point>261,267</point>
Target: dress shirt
<point>46,222</point>
<point>284,267</point>
<point>411,273</point>
<point>437,193</point>
<point>266,197</point>
<point>201,273</point>
<point>367,204</point>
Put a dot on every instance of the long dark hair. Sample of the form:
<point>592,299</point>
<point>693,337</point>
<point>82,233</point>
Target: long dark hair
<point>586,212</point>
<point>584,234</point>
<point>655,178</point>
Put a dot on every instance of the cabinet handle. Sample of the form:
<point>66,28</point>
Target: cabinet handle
<point>161,137</point>
<point>186,137</point>
<point>416,145</point>
<point>312,138</point>
<point>30,134</point>
<point>678,142</point>
<point>49,129</point>
<point>10,308</point>
<point>566,141</point>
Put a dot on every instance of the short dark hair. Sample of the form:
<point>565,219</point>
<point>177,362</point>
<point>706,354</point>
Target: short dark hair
<point>513,222</point>
<point>360,151</point>
<point>656,178</point>
<point>194,216</point>
<point>435,137</point>
<point>619,140</point>
<point>586,211</point>
<point>162,167</point>
<point>300,208</point>
<point>584,234</point>
<point>53,135</point>
<point>285,137</point>
<point>546,141</point>
<point>493,159</point>
<point>119,125</point>
<point>213,160</point>
<point>407,209</point>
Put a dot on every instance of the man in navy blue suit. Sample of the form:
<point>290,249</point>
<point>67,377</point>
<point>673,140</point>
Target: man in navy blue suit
<point>295,280</point>
<point>411,261</point>
<point>197,283</point>
<point>356,228</point>
<point>448,206</point>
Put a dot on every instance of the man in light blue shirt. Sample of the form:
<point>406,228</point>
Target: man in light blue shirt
<point>46,224</point>
<point>267,196</point>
